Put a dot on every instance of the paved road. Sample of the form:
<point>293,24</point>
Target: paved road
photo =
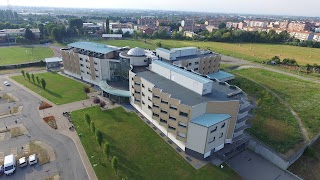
<point>68,163</point>
<point>251,166</point>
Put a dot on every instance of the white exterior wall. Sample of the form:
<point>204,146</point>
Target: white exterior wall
<point>197,136</point>
<point>166,55</point>
<point>219,141</point>
<point>138,61</point>
<point>201,140</point>
<point>184,81</point>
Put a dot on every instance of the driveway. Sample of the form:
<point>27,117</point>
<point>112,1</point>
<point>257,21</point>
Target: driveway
<point>68,162</point>
<point>251,166</point>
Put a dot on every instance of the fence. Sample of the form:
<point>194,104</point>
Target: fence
<point>24,65</point>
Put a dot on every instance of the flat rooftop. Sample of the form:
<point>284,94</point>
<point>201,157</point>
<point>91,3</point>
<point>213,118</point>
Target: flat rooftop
<point>94,47</point>
<point>186,96</point>
<point>208,120</point>
<point>54,59</point>
<point>182,72</point>
<point>221,75</point>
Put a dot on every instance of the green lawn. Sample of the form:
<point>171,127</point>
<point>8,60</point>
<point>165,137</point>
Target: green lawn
<point>17,55</point>
<point>59,89</point>
<point>303,96</point>
<point>272,122</point>
<point>142,153</point>
<point>252,52</point>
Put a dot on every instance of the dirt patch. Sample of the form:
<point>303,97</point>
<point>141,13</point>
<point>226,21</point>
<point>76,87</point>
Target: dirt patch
<point>55,177</point>
<point>9,98</point>
<point>44,105</point>
<point>15,132</point>
<point>51,121</point>
<point>42,154</point>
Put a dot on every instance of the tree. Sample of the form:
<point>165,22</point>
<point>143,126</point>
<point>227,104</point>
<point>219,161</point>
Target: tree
<point>28,76</point>
<point>32,76</point>
<point>29,35</point>
<point>106,149</point>
<point>87,119</point>
<point>114,164</point>
<point>222,25</point>
<point>107,26</point>
<point>43,83</point>
<point>23,73</point>
<point>92,127</point>
<point>38,80</point>
<point>99,137</point>
<point>56,34</point>
<point>75,22</point>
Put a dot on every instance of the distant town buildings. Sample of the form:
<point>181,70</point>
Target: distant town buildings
<point>10,35</point>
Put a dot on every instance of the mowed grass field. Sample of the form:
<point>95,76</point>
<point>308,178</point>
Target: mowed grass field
<point>252,52</point>
<point>142,153</point>
<point>18,55</point>
<point>272,122</point>
<point>303,96</point>
<point>59,89</point>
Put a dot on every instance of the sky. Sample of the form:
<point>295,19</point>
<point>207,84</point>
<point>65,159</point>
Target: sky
<point>273,7</point>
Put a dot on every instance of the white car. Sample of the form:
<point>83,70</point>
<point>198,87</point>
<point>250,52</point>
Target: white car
<point>33,159</point>
<point>23,162</point>
<point>6,83</point>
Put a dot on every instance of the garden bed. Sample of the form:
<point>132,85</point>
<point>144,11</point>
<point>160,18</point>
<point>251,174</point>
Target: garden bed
<point>44,105</point>
<point>51,121</point>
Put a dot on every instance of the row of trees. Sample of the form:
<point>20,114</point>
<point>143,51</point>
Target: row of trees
<point>34,79</point>
<point>8,25</point>
<point>8,15</point>
<point>106,145</point>
<point>285,61</point>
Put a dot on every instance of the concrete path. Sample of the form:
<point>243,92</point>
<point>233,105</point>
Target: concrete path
<point>251,166</point>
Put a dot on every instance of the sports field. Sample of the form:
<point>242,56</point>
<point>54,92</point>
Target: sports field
<point>18,55</point>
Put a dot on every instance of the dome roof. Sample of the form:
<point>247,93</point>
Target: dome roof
<point>136,52</point>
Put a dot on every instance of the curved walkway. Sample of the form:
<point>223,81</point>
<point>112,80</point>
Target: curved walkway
<point>240,62</point>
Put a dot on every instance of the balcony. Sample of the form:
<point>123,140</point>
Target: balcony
<point>242,115</point>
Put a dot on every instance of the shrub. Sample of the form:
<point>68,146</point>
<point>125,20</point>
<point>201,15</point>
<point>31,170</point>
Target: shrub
<point>102,104</point>
<point>96,100</point>
<point>86,89</point>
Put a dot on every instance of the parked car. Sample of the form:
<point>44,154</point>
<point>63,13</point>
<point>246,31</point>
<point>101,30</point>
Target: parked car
<point>9,164</point>
<point>6,83</point>
<point>33,159</point>
<point>1,170</point>
<point>23,162</point>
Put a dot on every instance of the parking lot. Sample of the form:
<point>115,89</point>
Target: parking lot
<point>67,162</point>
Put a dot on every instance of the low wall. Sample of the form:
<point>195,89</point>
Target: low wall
<point>275,157</point>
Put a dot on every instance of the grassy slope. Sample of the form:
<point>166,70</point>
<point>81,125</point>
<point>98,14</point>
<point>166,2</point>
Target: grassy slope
<point>251,52</point>
<point>308,165</point>
<point>142,153</point>
<point>59,90</point>
<point>272,122</point>
<point>303,96</point>
<point>16,55</point>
